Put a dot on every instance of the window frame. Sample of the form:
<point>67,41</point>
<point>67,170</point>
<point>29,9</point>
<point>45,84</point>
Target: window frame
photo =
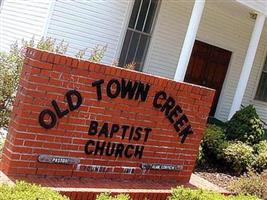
<point>263,71</point>
<point>150,35</point>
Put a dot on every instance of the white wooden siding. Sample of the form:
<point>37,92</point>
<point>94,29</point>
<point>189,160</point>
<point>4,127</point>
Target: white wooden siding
<point>168,37</point>
<point>22,19</point>
<point>85,24</point>
<point>254,78</point>
<point>220,26</point>
<point>82,24</point>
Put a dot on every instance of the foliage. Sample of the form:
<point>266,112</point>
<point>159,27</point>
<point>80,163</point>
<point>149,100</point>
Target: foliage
<point>261,147</point>
<point>10,67</point>
<point>26,191</point>
<point>245,126</point>
<point>50,44</point>
<point>131,66</point>
<point>2,142</point>
<point>239,155</point>
<point>81,53</point>
<point>201,160</point>
<point>98,53</point>
<point>108,196</point>
<point>214,142</point>
<point>260,162</point>
<point>238,144</point>
<point>251,183</point>
<point>181,193</point>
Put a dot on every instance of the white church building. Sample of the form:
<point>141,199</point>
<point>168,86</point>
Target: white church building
<point>214,43</point>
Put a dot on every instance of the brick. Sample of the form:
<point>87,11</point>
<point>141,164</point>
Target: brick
<point>47,76</point>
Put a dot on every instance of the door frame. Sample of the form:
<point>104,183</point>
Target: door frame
<point>227,75</point>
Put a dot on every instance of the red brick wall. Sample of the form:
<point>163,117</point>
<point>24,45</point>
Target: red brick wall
<point>47,76</point>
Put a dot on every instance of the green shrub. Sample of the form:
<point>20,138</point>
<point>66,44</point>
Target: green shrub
<point>201,160</point>
<point>240,156</point>
<point>108,196</point>
<point>252,184</point>
<point>261,147</point>
<point>181,193</point>
<point>26,191</point>
<point>245,126</point>
<point>9,75</point>
<point>214,142</point>
<point>260,162</point>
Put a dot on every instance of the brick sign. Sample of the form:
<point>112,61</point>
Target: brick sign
<point>75,118</point>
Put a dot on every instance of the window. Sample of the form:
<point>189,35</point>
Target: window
<point>262,87</point>
<point>138,33</point>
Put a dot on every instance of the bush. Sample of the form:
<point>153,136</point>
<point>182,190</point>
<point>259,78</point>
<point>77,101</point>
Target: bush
<point>108,196</point>
<point>9,75</point>
<point>214,142</point>
<point>260,150</point>
<point>26,191</point>
<point>252,184</point>
<point>239,155</point>
<point>201,160</point>
<point>181,193</point>
<point>260,162</point>
<point>245,126</point>
<point>261,147</point>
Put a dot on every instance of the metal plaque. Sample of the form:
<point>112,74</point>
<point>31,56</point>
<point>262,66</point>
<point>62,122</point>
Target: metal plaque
<point>157,166</point>
<point>58,159</point>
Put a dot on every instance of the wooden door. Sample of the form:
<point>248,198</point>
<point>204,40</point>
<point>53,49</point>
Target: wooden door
<point>207,67</point>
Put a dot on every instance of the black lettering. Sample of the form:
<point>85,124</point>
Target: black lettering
<point>110,151</point>
<point>138,152</point>
<point>114,129</point>
<point>69,95</point>
<point>185,132</point>
<point>137,135</point>
<point>119,150</point>
<point>157,96</point>
<point>104,130</point>
<point>117,89</point>
<point>147,132</point>
<point>174,113</point>
<point>60,113</point>
<point>131,133</point>
<point>86,149</point>
<point>180,122</point>
<point>168,105</point>
<point>126,152</point>
<point>142,91</point>
<point>93,128</point>
<point>100,148</point>
<point>129,89</point>
<point>98,88</point>
<point>124,129</point>
<point>53,119</point>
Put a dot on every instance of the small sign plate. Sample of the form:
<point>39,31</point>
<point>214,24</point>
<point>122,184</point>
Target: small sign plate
<point>156,166</point>
<point>58,159</point>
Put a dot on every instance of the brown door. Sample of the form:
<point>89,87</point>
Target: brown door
<point>207,67</point>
